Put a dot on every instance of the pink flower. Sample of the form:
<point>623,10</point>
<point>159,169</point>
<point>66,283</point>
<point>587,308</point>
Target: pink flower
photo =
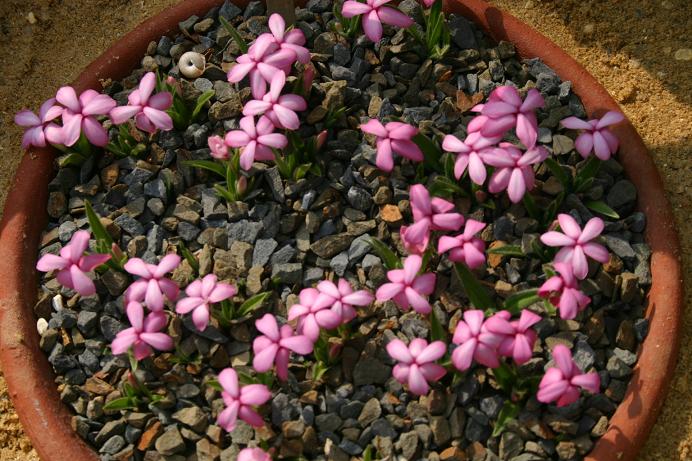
<point>393,137</point>
<point>416,366</point>
<point>514,170</point>
<point>149,111</point>
<point>561,384</point>
<point>505,110</point>
<point>275,346</point>
<point>311,316</point>
<point>218,147</point>
<point>465,247</point>
<point>152,284</point>
<point>143,334</point>
<point>79,115</point>
<point>253,454</point>
<point>407,288</point>
<point>470,154</point>
<point>428,214</point>
<point>374,15</point>
<point>293,40</point>
<point>475,342</point>
<point>40,129</point>
<point>201,295</point>
<point>563,291</point>
<point>428,3</point>
<point>577,243</point>
<point>342,298</point>
<point>596,137</point>
<point>519,338</point>
<point>280,109</point>
<point>257,140</point>
<point>72,264</point>
<point>240,400</point>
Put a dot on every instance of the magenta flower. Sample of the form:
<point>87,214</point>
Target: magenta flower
<point>407,288</point>
<point>416,366</point>
<point>475,342</point>
<point>218,147</point>
<point>240,400</point>
<point>505,110</point>
<point>577,243</point>
<point>72,264</point>
<point>563,292</point>
<point>374,14</point>
<point>470,154</point>
<point>253,454</point>
<point>428,3</point>
<point>148,110</point>
<point>293,40</point>
<point>596,137</point>
<point>201,295</point>
<point>519,338</point>
<point>152,284</point>
<point>311,316</point>
<point>275,346</point>
<point>514,170</point>
<point>79,115</point>
<point>342,298</point>
<point>466,247</point>
<point>280,109</point>
<point>144,333</point>
<point>393,137</point>
<point>40,128</point>
<point>257,140</point>
<point>561,383</point>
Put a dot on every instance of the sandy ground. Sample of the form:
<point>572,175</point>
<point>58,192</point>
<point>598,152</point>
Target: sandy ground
<point>639,49</point>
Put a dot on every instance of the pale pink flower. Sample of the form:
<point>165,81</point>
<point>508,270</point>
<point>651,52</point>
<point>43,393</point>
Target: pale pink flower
<point>280,109</point>
<point>577,244</point>
<point>470,154</point>
<point>148,110</point>
<point>374,14</point>
<point>218,147</point>
<point>342,298</point>
<point>72,264</point>
<point>407,288</point>
<point>428,3</point>
<point>561,383</point>
<point>144,333</point>
<point>253,454</point>
<point>257,140</point>
<point>240,401</point>
<point>563,292</point>
<point>293,40</point>
<point>152,284</point>
<point>596,137</point>
<point>40,128</point>
<point>417,367</point>
<point>79,115</point>
<point>513,169</point>
<point>275,345</point>
<point>311,316</point>
<point>475,342</point>
<point>394,137</point>
<point>465,247</point>
<point>201,294</point>
<point>518,336</point>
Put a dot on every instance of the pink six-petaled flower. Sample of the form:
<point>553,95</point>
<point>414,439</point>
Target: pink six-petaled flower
<point>393,137</point>
<point>253,454</point>
<point>152,284</point>
<point>257,140</point>
<point>374,14</point>
<point>144,333</point>
<point>341,298</point>
<point>240,401</point>
<point>40,128</point>
<point>407,288</point>
<point>148,109</point>
<point>417,367</point>
<point>280,109</point>
<point>79,115</point>
<point>475,342</point>
<point>470,154</point>
<point>465,247</point>
<point>518,337</point>
<point>561,383</point>
<point>311,317</point>
<point>201,294</point>
<point>293,40</point>
<point>563,291</point>
<point>596,137</point>
<point>72,264</point>
<point>275,345</point>
<point>514,169</point>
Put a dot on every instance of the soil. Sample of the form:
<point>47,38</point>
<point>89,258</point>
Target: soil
<point>628,45</point>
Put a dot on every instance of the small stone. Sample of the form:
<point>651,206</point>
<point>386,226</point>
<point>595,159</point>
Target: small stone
<point>622,194</point>
<point>359,198</point>
<point>391,214</point>
<point>683,54</point>
<point>369,370</point>
<point>371,411</point>
<point>193,417</point>
<point>329,246</point>
<point>231,108</point>
<point>113,445</point>
<point>170,442</point>
<point>288,273</point>
<point>440,430</point>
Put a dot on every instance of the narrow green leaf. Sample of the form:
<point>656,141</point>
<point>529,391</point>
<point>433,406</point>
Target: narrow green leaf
<point>388,257</point>
<point>508,412</point>
<point>558,172</point>
<point>586,173</point>
<point>121,403</point>
<point>301,171</point>
<point>553,208</point>
<point>437,331</point>
<point>432,154</point>
<point>507,250</point>
<point>518,301</point>
<point>234,33</point>
<point>600,207</point>
<point>208,165</point>
<point>189,257</point>
<point>97,228</point>
<point>531,207</point>
<point>253,303</point>
<point>201,101</point>
<point>474,290</point>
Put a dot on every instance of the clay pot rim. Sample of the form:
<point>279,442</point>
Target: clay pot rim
<point>29,377</point>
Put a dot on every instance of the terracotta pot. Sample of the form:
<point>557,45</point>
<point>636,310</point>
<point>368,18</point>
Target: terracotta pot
<point>30,378</point>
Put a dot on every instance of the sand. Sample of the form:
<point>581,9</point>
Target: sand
<point>628,45</point>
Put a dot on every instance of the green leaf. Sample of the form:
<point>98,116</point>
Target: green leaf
<point>474,290</point>
<point>189,257</point>
<point>214,384</point>
<point>442,186</point>
<point>518,301</point>
<point>201,101</point>
<point>253,303</point>
<point>600,207</point>
<point>301,171</point>
<point>97,228</point>
<point>558,172</point>
<point>208,165</point>
<point>437,331</point>
<point>508,412</point>
<point>432,154</point>
<point>71,159</point>
<point>234,33</point>
<point>507,250</point>
<point>505,376</point>
<point>388,257</point>
<point>121,403</point>
<point>531,207</point>
<point>587,173</point>
<point>553,207</point>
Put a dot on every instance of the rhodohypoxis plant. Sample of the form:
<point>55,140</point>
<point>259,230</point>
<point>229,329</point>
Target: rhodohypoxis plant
<point>562,383</point>
<point>80,115</point>
<point>341,298</point>
<point>280,109</point>
<point>417,367</point>
<point>292,39</point>
<point>514,169</point>
<point>577,243</point>
<point>147,108</point>
<point>465,247</point>
<point>256,139</point>
<point>240,400</point>
<point>470,154</point>
<point>595,136</point>
<point>519,338</point>
<point>40,129</point>
<point>474,342</point>
<point>201,294</point>
<point>374,13</point>
<point>152,285</point>
<point>311,316</point>
<point>563,292</point>
<point>143,335</point>
<point>73,265</point>
<point>436,38</point>
<point>394,137</point>
<point>407,288</point>
<point>253,454</point>
<point>275,345</point>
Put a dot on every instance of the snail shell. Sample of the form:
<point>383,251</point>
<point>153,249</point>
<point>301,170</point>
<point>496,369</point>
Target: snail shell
<point>192,64</point>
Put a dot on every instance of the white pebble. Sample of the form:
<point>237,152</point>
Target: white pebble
<point>57,303</point>
<point>683,54</point>
<point>41,326</point>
